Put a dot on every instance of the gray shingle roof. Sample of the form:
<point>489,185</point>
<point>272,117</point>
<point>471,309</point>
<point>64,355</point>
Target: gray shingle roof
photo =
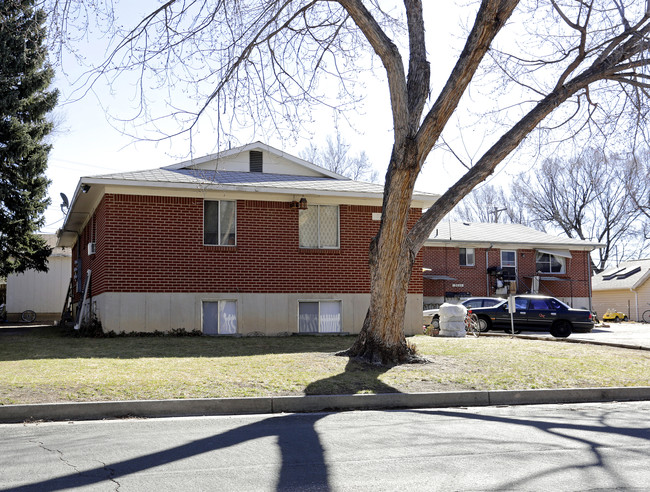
<point>246,181</point>
<point>491,233</point>
<point>627,275</point>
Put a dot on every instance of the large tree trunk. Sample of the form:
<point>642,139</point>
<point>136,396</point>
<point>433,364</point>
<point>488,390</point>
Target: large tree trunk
<point>391,260</point>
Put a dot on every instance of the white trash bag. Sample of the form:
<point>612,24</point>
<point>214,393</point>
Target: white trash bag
<point>452,320</point>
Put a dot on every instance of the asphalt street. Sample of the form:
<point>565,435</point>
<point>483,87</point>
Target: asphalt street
<point>543,447</point>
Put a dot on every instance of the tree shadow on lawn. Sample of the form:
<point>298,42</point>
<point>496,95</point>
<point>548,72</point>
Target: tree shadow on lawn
<point>50,343</point>
<point>358,377</point>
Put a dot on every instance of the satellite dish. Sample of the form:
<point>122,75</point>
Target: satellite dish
<point>66,204</point>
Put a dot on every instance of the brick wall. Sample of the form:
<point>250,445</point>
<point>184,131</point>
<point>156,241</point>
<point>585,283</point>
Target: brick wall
<point>445,261</point>
<point>155,244</point>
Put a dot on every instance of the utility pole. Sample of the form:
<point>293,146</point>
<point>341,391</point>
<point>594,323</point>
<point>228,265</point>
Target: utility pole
<point>496,211</point>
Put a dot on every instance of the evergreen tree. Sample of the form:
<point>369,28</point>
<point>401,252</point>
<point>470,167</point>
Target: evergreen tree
<point>25,101</point>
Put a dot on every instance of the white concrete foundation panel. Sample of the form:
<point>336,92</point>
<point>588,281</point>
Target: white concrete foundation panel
<point>267,314</point>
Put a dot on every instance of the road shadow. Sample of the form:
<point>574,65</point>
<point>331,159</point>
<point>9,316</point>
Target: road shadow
<point>303,464</point>
<point>600,433</point>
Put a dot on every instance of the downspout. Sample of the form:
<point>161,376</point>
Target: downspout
<point>588,267</point>
<point>487,275</point>
<point>636,302</point>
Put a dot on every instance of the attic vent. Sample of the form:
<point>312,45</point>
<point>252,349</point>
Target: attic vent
<point>255,161</point>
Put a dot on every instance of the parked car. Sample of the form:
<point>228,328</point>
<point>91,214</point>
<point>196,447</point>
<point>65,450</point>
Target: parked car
<point>432,316</point>
<point>536,313</point>
<point>615,316</point>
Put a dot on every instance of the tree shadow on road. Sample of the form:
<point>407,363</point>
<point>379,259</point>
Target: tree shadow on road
<point>565,434</point>
<point>303,465</point>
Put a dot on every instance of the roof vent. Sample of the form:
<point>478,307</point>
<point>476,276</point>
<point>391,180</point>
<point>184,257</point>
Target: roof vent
<point>629,273</point>
<point>612,275</point>
<point>255,161</point>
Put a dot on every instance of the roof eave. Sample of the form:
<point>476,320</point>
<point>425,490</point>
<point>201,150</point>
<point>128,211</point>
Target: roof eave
<point>528,245</point>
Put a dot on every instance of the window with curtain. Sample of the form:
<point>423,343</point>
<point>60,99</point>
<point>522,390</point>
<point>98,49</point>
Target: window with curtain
<point>319,227</point>
<point>319,317</point>
<point>548,263</point>
<point>219,222</point>
<point>466,256</point>
<point>220,317</point>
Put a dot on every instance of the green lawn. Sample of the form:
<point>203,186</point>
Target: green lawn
<point>44,366</point>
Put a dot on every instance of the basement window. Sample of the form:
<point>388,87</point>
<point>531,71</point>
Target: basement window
<point>319,316</point>
<point>219,317</point>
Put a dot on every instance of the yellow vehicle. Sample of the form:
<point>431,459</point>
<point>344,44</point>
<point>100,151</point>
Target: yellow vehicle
<point>615,316</point>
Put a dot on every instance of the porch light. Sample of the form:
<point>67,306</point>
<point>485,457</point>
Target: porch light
<point>303,204</point>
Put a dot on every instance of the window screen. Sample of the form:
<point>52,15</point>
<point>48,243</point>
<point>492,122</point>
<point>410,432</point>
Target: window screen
<point>319,226</point>
<point>308,317</point>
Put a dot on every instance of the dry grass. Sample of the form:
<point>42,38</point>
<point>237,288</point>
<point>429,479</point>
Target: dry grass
<point>45,367</point>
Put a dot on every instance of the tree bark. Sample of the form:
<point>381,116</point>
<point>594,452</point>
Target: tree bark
<point>391,258</point>
<point>393,251</point>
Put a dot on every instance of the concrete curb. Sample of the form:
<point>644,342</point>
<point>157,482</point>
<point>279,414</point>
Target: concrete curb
<point>299,404</point>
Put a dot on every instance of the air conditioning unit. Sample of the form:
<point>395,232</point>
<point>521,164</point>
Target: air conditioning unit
<point>91,248</point>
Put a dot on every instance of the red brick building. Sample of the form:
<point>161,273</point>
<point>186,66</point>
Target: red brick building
<point>251,240</point>
<point>476,259</point>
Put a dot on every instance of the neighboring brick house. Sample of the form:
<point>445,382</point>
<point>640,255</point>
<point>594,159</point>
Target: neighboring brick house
<point>624,288</point>
<point>488,259</point>
<point>251,240</point>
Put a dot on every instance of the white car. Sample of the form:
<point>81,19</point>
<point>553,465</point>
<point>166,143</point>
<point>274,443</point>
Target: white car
<point>432,316</point>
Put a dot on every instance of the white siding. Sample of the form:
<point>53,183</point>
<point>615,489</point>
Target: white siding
<point>624,301</point>
<point>41,292</point>
<point>272,164</point>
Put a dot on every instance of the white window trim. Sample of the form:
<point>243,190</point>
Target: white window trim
<point>338,228</point>
<point>203,301</point>
<point>561,260</point>
<point>508,251</point>
<point>339,301</point>
<point>473,256</point>
<point>218,223</point>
